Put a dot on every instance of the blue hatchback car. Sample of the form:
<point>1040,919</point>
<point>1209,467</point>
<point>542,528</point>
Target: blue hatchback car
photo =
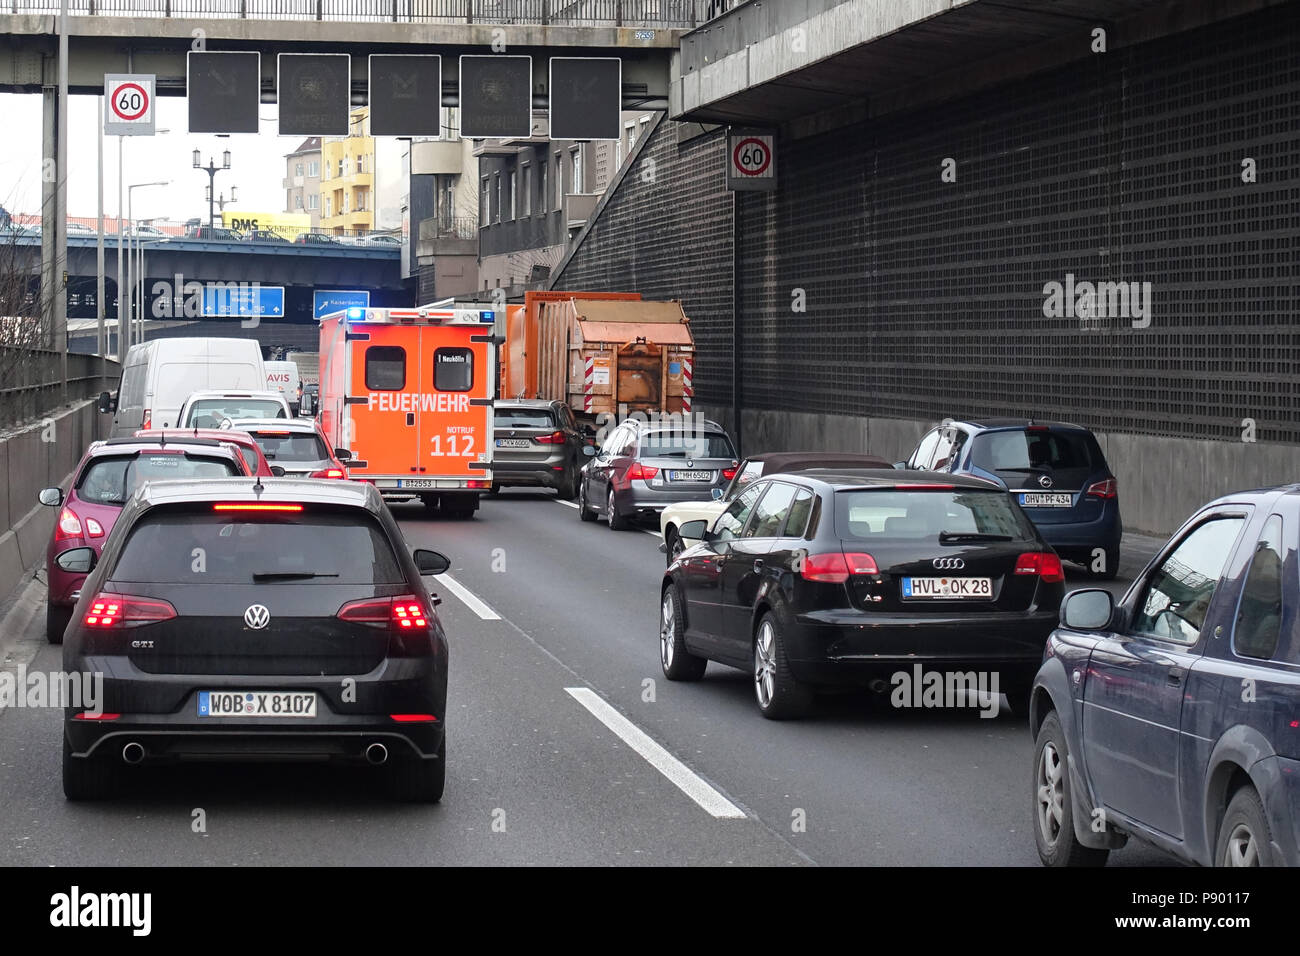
<point>1056,472</point>
<point>1172,715</point>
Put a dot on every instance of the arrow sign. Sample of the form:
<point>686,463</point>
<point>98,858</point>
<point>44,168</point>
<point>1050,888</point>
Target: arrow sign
<point>128,104</point>
<point>222,299</point>
<point>325,302</point>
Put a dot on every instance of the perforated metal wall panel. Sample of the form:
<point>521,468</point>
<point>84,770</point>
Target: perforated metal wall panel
<point>926,298</point>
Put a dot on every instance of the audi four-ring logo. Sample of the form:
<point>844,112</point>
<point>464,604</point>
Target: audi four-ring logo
<point>257,616</point>
<point>948,564</point>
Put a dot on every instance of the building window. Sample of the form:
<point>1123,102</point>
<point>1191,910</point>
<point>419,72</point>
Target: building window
<point>630,130</point>
<point>297,170</point>
<point>313,201</point>
<point>525,191</point>
<point>345,203</point>
<point>313,169</point>
<point>484,210</point>
<point>297,201</point>
<point>575,154</point>
<point>497,217</point>
<point>342,171</point>
<point>559,181</point>
<point>543,194</point>
<point>510,196</point>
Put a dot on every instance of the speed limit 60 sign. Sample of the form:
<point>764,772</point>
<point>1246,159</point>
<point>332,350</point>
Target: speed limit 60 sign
<point>128,104</point>
<point>751,159</point>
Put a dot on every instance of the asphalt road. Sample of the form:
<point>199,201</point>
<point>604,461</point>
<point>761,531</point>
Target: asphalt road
<point>553,624</point>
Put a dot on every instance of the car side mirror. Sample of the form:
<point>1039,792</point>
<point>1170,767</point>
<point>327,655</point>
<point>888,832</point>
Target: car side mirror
<point>77,560</point>
<point>717,494</point>
<point>430,562</point>
<point>696,530</point>
<point>51,497</point>
<point>1089,609</point>
<point>342,454</point>
<point>277,470</point>
<point>106,403</point>
<point>589,450</point>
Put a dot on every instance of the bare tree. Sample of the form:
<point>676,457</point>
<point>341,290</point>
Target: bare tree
<point>25,359</point>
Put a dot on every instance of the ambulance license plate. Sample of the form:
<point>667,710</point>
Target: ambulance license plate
<point>417,483</point>
<point>690,476</point>
<point>513,442</point>
<point>256,703</point>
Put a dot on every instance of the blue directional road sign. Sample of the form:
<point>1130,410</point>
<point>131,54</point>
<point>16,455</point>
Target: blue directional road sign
<point>325,301</point>
<point>241,299</point>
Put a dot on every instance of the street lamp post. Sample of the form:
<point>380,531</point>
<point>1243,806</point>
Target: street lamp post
<point>130,217</point>
<point>211,169</point>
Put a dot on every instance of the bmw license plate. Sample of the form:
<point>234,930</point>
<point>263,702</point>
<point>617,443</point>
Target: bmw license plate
<point>1040,499</point>
<point>513,442</point>
<point>930,589</point>
<point>690,476</point>
<point>256,703</point>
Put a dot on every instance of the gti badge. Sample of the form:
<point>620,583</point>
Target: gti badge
<point>1045,480</point>
<point>948,564</point>
<point>257,616</point>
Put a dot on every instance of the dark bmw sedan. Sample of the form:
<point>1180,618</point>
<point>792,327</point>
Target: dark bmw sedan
<point>250,619</point>
<point>820,579</point>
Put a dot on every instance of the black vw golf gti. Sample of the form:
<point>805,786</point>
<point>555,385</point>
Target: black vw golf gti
<point>247,619</point>
<point>834,577</point>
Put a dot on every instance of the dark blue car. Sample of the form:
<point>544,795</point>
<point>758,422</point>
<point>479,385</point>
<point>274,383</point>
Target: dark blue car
<point>1056,472</point>
<point>1173,716</point>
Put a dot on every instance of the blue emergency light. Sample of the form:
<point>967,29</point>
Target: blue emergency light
<point>356,313</point>
<point>487,316</point>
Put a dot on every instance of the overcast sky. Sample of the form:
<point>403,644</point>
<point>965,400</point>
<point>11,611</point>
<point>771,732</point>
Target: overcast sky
<point>257,162</point>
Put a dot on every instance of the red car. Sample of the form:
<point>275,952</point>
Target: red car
<point>108,474</point>
<point>255,462</point>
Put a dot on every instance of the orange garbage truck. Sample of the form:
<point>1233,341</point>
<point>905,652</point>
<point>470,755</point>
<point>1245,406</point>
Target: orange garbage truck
<point>407,395</point>
<point>606,354</point>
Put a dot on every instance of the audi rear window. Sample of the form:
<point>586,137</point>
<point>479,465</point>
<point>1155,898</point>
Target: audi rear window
<point>889,514</point>
<point>111,481</point>
<point>524,418</point>
<point>224,548</point>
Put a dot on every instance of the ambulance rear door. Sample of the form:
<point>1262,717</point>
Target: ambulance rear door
<point>458,363</point>
<point>384,401</point>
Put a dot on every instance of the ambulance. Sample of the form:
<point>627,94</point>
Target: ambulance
<point>407,395</point>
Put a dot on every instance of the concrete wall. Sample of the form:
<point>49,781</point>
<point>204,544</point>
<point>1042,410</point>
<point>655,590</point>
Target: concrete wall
<point>1161,480</point>
<point>40,456</point>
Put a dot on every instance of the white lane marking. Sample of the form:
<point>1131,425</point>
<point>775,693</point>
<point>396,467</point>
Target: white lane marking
<point>677,772</point>
<point>657,534</point>
<point>467,597</point>
<point>567,504</point>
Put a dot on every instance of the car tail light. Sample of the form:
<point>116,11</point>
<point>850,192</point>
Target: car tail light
<point>478,483</point>
<point>95,528</point>
<point>414,718</point>
<point>642,472</point>
<point>401,613</point>
<point>118,610</point>
<point>87,715</point>
<point>329,473</point>
<point>835,567</point>
<point>1043,563</point>
<point>729,473</point>
<point>69,526</point>
<point>1104,489</point>
<point>148,419</point>
<point>255,507</point>
<point>554,438</point>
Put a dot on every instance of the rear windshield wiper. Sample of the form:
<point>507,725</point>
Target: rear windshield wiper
<point>946,536</point>
<point>289,575</point>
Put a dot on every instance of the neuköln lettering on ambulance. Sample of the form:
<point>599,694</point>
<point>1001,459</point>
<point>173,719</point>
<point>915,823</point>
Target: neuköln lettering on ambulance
<point>405,402</point>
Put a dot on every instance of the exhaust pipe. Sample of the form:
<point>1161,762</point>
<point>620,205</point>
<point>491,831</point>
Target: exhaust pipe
<point>377,754</point>
<point>133,753</point>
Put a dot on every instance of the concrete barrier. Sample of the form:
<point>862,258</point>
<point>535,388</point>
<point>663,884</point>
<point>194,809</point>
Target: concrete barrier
<point>39,456</point>
<point>1161,480</point>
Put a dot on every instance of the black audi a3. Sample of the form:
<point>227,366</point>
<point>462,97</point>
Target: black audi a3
<point>257,619</point>
<point>821,578</point>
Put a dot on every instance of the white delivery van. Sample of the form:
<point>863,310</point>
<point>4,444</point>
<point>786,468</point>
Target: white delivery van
<point>159,375</point>
<point>283,377</point>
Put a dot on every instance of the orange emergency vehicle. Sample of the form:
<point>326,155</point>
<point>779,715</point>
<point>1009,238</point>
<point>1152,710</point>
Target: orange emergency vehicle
<point>408,392</point>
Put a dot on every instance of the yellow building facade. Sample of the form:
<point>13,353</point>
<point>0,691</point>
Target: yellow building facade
<point>347,182</point>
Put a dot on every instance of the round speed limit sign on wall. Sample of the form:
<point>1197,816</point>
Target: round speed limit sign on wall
<point>751,160</point>
<point>128,104</point>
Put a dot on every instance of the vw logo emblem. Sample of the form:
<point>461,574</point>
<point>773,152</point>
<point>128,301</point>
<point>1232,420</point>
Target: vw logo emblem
<point>257,616</point>
<point>1045,480</point>
<point>948,564</point>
